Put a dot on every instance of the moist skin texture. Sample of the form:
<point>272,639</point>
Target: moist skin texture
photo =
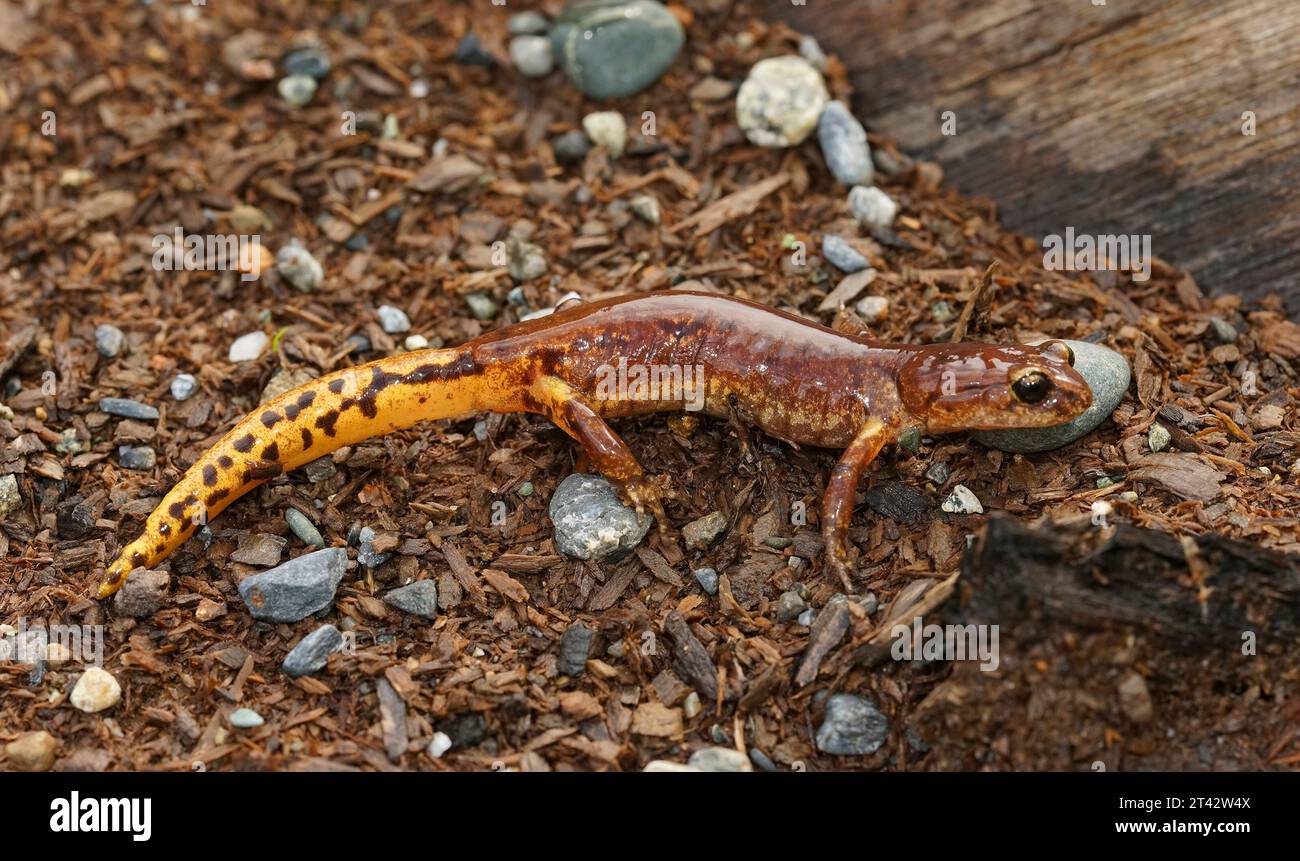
<point>792,378</point>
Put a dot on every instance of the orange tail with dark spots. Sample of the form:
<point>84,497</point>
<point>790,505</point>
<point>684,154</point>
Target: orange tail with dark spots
<point>301,425</point>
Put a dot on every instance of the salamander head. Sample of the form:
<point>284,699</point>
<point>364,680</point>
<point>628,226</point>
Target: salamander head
<point>971,386</point>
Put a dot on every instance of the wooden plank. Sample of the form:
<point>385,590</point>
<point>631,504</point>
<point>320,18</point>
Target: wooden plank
<point>1122,118</point>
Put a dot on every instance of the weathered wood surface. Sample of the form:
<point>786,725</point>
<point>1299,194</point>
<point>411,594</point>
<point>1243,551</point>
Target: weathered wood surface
<point>1122,118</point>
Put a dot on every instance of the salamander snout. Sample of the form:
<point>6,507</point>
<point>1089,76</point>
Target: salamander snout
<point>970,386</point>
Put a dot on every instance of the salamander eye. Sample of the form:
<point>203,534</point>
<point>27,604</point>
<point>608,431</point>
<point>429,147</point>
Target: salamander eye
<point>1030,386</point>
<point>1061,350</point>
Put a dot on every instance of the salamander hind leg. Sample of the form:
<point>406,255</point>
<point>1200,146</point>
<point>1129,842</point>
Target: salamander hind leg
<point>837,506</point>
<point>565,407</point>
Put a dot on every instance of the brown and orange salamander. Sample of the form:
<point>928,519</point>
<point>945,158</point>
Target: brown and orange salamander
<point>793,379</point>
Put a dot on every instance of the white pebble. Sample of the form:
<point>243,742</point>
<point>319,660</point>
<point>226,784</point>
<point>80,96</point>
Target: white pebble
<point>607,129</point>
<point>439,744</point>
<point>184,386</point>
<point>962,501</point>
<point>871,206</point>
<point>416,342</point>
<point>780,101</point>
<point>247,348</point>
<point>95,691</point>
<point>297,266</point>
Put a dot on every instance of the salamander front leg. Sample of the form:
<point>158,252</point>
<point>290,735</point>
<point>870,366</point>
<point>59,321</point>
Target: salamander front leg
<point>837,505</point>
<point>563,406</point>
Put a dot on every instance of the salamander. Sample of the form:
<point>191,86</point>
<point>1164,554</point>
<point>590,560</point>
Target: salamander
<point>790,377</point>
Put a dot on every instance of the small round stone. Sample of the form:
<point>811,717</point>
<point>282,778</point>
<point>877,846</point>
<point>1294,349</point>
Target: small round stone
<point>245,718</point>
<point>1158,437</point>
<point>853,726</point>
<point>303,527</point>
<point>872,309</point>
<point>483,306</point>
<point>616,48</point>
<point>532,56</point>
<point>439,744</point>
<point>136,457</point>
<point>297,266</point>
<point>708,580</point>
<point>526,263</point>
<point>183,386</point>
<point>572,146</point>
<point>95,691</point>
<point>962,501</point>
<point>844,145</point>
<point>938,473</point>
<point>296,90</point>
<point>841,254</point>
<point>871,206</point>
<point>780,101</point>
<point>645,207</point>
<point>249,348</point>
<point>128,409</point>
<point>789,606</point>
<point>393,320</point>
<point>607,129</point>
<point>31,751</point>
<point>525,490</point>
<point>416,342</point>
<point>312,62</point>
<point>109,340</point>
<point>591,521</point>
<point>1107,374</point>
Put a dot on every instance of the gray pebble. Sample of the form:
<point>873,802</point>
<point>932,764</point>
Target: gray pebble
<point>245,719</point>
<point>320,469</point>
<point>9,497</point>
<point>312,62</point>
<point>297,90</point>
<point>299,267</point>
<point>807,617</point>
<point>853,726</point>
<point>142,594</point>
<point>128,409</point>
<point>1158,437</point>
<point>393,320</point>
<point>700,533</point>
<point>136,457</point>
<point>572,146</point>
<point>762,760</point>
<point>526,261</point>
<point>481,305</point>
<point>575,646</point>
<point>109,340</point>
<point>708,580</point>
<point>842,255</point>
<point>591,522</point>
<point>366,553</point>
<point>313,651</point>
<point>789,606</point>
<point>293,591</point>
<point>870,603</point>
<point>419,599</point>
<point>871,206</point>
<point>938,473</point>
<point>532,56</point>
<point>183,386</point>
<point>811,51</point>
<point>844,145</point>
<point>615,49</point>
<point>303,527</point>
<point>1105,371</point>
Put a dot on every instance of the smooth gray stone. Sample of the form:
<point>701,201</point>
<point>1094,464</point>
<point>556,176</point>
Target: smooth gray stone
<point>419,599</point>
<point>591,522</point>
<point>1106,372</point>
<point>313,651</point>
<point>631,45</point>
<point>844,145</point>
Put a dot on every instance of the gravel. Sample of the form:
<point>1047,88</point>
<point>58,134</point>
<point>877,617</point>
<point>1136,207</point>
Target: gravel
<point>575,646</point>
<point>419,599</point>
<point>128,409</point>
<point>312,651</point>
<point>853,726</point>
<point>591,522</point>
